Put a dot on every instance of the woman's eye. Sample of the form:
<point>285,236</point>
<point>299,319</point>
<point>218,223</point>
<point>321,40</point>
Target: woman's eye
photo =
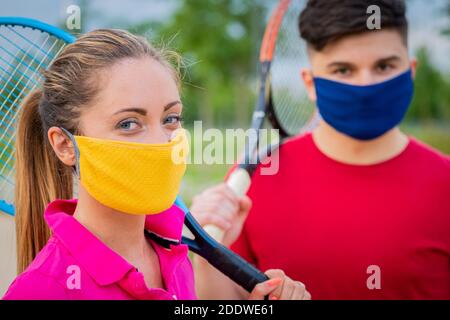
<point>128,125</point>
<point>173,119</point>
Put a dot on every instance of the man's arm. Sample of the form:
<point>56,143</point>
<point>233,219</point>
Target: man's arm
<point>211,284</point>
<point>221,207</point>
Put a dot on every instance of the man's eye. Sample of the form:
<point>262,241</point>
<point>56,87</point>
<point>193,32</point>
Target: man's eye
<point>128,125</point>
<point>342,71</point>
<point>384,67</point>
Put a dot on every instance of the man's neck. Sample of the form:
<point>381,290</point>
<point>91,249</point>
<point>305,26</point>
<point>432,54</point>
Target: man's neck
<point>348,150</point>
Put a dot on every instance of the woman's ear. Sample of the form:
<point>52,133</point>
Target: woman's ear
<point>413,64</point>
<point>62,146</point>
<point>308,80</point>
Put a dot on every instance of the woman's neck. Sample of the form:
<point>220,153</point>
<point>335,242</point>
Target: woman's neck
<point>121,232</point>
<point>345,149</point>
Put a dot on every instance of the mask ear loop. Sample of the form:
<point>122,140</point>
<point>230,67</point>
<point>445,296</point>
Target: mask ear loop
<point>77,151</point>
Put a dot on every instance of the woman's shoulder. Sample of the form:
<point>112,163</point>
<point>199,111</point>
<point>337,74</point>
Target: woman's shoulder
<point>42,279</point>
<point>34,285</point>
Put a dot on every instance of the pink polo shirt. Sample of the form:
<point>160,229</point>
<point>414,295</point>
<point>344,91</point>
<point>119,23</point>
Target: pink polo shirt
<point>75,264</point>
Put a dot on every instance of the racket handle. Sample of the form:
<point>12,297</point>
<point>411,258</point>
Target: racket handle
<point>236,268</point>
<point>239,182</point>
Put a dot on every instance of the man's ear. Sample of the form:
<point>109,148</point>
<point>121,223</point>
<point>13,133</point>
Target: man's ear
<point>413,64</point>
<point>308,80</point>
<point>62,146</point>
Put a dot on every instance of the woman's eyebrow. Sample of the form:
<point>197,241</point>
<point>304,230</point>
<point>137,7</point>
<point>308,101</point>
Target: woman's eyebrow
<point>144,112</point>
<point>137,110</point>
<point>171,104</point>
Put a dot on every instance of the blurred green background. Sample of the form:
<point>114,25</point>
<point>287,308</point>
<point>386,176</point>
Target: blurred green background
<point>219,41</point>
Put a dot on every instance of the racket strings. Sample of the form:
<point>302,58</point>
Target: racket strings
<point>293,110</point>
<point>24,53</point>
<point>29,85</point>
<point>22,84</point>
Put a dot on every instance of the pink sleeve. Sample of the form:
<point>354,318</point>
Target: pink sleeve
<point>34,285</point>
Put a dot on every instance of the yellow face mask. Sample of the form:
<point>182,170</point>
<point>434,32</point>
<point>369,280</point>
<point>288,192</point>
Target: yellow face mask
<point>134,178</point>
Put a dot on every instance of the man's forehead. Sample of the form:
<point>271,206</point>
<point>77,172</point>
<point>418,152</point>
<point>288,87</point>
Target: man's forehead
<point>368,46</point>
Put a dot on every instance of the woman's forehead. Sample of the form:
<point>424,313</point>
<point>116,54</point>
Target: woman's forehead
<point>142,82</point>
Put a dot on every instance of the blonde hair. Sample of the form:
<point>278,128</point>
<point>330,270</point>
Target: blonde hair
<point>69,85</point>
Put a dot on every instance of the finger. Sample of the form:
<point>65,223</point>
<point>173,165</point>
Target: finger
<point>307,296</point>
<point>217,220</point>
<point>263,289</point>
<point>287,289</point>
<point>220,201</point>
<point>226,192</point>
<point>217,209</point>
<point>299,291</point>
<point>215,195</point>
<point>276,273</point>
<point>245,204</point>
<point>228,209</point>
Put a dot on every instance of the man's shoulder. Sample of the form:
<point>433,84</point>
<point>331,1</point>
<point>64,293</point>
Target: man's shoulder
<point>288,155</point>
<point>297,144</point>
<point>422,153</point>
<point>429,167</point>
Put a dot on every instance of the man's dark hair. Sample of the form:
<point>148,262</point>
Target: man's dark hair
<point>324,21</point>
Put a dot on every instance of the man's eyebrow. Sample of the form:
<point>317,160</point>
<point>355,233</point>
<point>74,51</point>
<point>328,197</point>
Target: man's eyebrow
<point>388,59</point>
<point>340,64</point>
<point>351,65</point>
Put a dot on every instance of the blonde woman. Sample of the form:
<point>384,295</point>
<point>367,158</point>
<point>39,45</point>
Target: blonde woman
<point>109,110</point>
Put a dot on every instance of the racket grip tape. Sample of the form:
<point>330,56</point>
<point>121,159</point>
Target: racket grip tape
<point>239,182</point>
<point>236,268</point>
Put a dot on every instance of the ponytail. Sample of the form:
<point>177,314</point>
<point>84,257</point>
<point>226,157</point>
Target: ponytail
<point>40,179</point>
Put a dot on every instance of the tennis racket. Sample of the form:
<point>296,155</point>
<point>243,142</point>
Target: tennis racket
<point>27,47</point>
<point>281,101</point>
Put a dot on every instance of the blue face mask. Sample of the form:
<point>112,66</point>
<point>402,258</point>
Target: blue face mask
<point>364,112</point>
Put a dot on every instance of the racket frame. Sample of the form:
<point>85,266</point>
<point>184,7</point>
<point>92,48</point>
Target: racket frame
<point>38,25</point>
<point>240,179</point>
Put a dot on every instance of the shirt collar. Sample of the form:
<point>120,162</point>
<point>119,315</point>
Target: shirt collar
<point>167,224</point>
<point>108,266</point>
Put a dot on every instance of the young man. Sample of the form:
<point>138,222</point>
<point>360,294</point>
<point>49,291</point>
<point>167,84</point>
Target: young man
<point>357,210</point>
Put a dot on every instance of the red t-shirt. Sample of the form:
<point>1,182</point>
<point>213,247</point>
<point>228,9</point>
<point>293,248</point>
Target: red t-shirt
<point>353,232</point>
